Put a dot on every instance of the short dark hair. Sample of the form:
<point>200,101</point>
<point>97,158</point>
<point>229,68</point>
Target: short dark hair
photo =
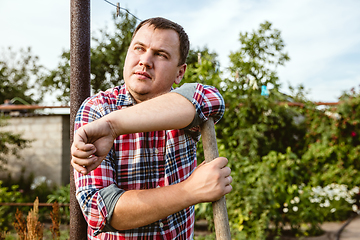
<point>163,23</point>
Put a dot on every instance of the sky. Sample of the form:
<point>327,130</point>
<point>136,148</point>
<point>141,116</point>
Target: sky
<point>322,37</point>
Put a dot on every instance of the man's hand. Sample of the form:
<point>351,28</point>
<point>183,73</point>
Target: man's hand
<point>92,142</point>
<point>210,181</point>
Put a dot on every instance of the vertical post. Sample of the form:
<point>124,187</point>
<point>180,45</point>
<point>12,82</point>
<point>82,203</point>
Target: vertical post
<point>79,91</point>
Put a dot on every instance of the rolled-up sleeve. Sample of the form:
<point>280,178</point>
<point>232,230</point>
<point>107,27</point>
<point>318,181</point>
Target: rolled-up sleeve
<point>207,101</point>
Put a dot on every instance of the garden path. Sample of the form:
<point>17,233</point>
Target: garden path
<point>351,231</point>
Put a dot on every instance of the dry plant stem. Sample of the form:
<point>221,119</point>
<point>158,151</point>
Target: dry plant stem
<point>34,227</point>
<point>31,228</point>
<point>55,219</point>
<point>20,225</point>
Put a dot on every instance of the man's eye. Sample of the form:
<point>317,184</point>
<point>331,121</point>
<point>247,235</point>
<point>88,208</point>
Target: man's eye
<point>162,55</point>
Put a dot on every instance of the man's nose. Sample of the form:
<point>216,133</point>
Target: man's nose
<point>146,60</point>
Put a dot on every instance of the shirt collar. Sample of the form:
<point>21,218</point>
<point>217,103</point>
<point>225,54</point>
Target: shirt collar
<point>124,97</point>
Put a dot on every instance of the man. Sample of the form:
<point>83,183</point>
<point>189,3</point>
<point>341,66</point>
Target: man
<point>135,165</point>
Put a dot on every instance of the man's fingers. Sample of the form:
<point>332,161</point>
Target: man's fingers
<point>95,164</point>
<point>226,171</point>
<point>227,189</point>
<point>86,151</point>
<point>229,180</point>
<point>83,147</point>
<point>85,161</point>
<point>79,168</point>
<point>85,166</point>
<point>221,162</point>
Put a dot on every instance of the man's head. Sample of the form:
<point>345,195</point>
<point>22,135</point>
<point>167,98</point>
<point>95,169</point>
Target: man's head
<point>162,23</point>
<point>155,59</point>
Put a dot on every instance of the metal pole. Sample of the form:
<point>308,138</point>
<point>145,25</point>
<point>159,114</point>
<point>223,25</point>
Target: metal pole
<point>211,152</point>
<point>79,91</point>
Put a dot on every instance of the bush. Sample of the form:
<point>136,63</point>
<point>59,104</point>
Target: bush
<point>61,195</point>
<point>7,195</point>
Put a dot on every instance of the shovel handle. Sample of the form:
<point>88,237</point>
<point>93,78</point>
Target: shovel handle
<point>211,152</point>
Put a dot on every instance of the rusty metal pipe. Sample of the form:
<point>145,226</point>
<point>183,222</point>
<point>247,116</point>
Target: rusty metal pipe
<point>79,91</point>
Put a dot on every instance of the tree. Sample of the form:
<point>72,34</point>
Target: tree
<point>107,60</point>
<point>19,76</point>
<point>261,52</point>
<point>257,123</point>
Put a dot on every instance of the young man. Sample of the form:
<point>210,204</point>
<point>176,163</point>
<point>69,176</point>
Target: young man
<point>135,165</point>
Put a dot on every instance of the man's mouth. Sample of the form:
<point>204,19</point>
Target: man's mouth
<point>143,75</point>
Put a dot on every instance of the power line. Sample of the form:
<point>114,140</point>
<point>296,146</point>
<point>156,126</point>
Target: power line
<point>121,8</point>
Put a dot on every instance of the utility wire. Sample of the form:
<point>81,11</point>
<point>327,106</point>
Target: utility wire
<point>123,9</point>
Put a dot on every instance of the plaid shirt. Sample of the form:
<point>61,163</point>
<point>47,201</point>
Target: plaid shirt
<point>142,161</point>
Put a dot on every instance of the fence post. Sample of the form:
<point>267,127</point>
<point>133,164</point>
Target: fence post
<point>79,91</point>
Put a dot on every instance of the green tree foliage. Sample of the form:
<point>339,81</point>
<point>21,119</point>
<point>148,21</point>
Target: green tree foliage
<point>202,67</point>
<point>19,75</point>
<point>107,60</point>
<point>260,53</point>
<point>108,57</point>
<point>256,124</point>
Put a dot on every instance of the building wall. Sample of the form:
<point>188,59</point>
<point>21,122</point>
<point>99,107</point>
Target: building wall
<point>49,152</point>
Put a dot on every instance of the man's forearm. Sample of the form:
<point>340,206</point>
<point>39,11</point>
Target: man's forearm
<point>168,111</point>
<point>93,141</point>
<point>137,208</point>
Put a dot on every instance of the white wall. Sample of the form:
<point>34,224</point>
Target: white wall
<point>49,152</point>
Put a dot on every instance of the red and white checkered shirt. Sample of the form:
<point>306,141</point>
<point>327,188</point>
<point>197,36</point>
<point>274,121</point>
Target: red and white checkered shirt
<point>141,161</point>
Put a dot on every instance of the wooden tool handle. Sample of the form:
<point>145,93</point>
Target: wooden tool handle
<point>211,152</point>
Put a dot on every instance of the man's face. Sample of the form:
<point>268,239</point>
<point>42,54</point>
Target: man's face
<point>151,64</point>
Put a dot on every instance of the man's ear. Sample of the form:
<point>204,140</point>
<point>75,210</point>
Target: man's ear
<point>181,73</point>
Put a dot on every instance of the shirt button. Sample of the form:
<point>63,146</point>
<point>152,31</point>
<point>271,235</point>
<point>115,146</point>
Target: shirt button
<point>156,151</point>
<point>161,225</point>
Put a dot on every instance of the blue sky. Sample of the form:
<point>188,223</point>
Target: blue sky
<point>322,37</point>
